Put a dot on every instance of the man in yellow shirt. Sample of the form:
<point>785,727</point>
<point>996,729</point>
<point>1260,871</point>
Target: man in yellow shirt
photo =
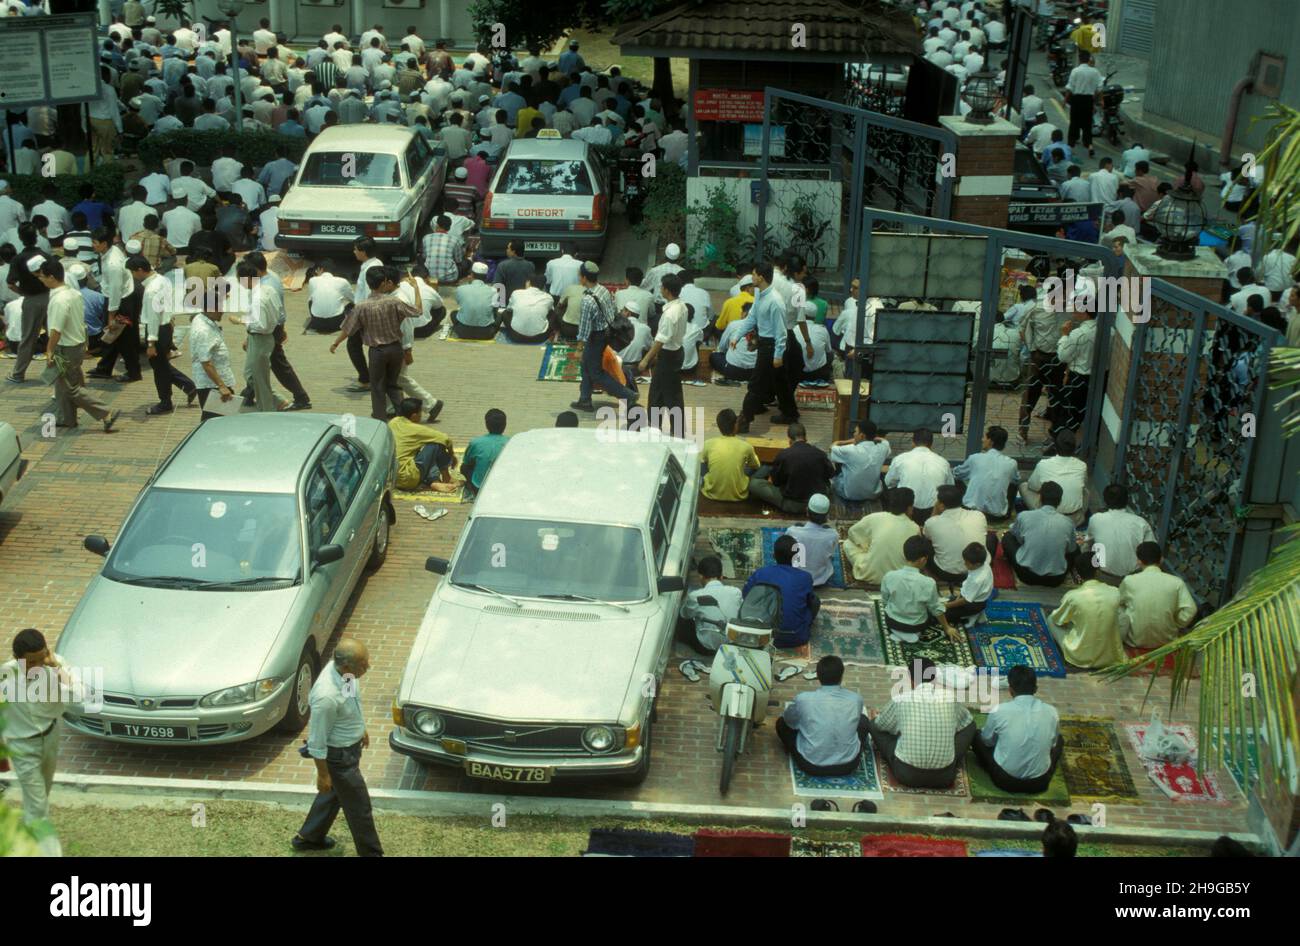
<point>874,546</point>
<point>1154,606</point>
<point>728,461</point>
<point>1086,624</point>
<point>424,455</point>
<point>732,311</point>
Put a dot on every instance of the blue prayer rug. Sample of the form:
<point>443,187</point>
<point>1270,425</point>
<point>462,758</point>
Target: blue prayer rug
<point>864,782</point>
<point>1015,633</point>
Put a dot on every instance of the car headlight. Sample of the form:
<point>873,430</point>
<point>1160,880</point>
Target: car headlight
<point>244,693</point>
<point>428,723</point>
<point>598,738</point>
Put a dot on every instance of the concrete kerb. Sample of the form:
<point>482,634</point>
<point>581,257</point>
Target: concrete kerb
<point>454,804</point>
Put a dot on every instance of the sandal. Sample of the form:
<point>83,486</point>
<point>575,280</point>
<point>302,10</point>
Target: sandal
<point>687,669</point>
<point>786,672</point>
<point>824,804</point>
<point>810,675</point>
<point>423,513</point>
<point>1043,816</point>
<point>1078,819</point>
<point>1012,814</point>
<point>864,807</point>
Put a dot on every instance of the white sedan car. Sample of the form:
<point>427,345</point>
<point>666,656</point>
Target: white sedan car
<point>542,651</point>
<point>12,464</point>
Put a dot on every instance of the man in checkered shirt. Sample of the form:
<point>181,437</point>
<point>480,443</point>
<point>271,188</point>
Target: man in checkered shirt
<point>443,252</point>
<point>594,320</point>
<point>924,732</point>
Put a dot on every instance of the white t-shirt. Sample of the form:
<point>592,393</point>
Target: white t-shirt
<point>529,308</point>
<point>978,585</point>
<point>328,295</point>
<point>181,223</point>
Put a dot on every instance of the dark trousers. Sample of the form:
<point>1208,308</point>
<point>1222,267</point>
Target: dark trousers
<point>385,366</point>
<point>792,364</point>
<point>1074,401</point>
<point>431,460</point>
<point>768,380</point>
<point>435,323</point>
<point>1011,545</point>
<point>1081,107</point>
<point>565,330</point>
<point>789,737</point>
<point>508,327</point>
<point>1009,783</point>
<point>357,355</point>
<point>34,308</point>
<point>127,345</point>
<point>347,791</point>
<point>165,374</point>
<point>942,576</point>
<point>284,372</point>
<point>1045,373</point>
<point>480,332</point>
<point>204,394</point>
<point>718,362</point>
<point>910,775</point>
<point>686,634</point>
<point>593,372</point>
<point>893,624</point>
<point>666,388</point>
<point>968,610</point>
<point>919,516</point>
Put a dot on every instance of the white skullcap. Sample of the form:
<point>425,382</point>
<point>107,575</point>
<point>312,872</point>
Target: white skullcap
<point>461,174</point>
<point>71,245</point>
<point>34,264</point>
<point>635,306</point>
<point>673,251</point>
<point>133,246</point>
<point>480,269</point>
<point>274,199</point>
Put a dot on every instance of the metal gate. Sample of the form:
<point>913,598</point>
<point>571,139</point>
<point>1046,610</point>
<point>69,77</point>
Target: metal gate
<point>820,160</point>
<point>1191,393</point>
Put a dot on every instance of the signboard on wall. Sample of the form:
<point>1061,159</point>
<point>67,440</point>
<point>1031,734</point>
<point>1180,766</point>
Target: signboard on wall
<point>728,105</point>
<point>1051,215</point>
<point>754,141</point>
<point>48,60</point>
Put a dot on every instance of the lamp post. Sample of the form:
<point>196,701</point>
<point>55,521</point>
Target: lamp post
<point>981,94</point>
<point>232,9</point>
<point>1179,220</point>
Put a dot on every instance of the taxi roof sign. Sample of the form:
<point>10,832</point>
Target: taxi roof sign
<point>549,133</point>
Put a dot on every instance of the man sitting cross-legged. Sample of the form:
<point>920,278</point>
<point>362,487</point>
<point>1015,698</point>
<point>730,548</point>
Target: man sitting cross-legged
<point>923,733</point>
<point>1040,544</point>
<point>727,462</point>
<point>874,545</point>
<point>799,605</point>
<point>824,730</point>
<point>425,456</point>
<point>1021,742</point>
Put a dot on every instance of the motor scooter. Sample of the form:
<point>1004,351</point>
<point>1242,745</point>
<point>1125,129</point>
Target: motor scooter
<point>1110,121</point>
<point>740,680</point>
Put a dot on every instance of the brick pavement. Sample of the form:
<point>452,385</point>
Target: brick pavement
<point>84,481</point>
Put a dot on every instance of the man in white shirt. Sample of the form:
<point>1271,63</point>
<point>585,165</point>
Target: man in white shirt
<point>1104,184</point>
<point>697,298</point>
<point>1074,188</point>
<point>861,461</point>
<point>264,37</point>
<point>1039,135</point>
<point>1031,106</point>
<point>1275,270</point>
<point>922,471</point>
<point>12,212</point>
<point>226,170</point>
<point>1081,92</point>
<point>1115,536</point>
<point>1131,157</point>
<point>1154,606</point>
<point>950,530</point>
<point>642,337</point>
<point>561,273</point>
<point>652,279</point>
<point>1250,286</point>
<point>179,223</point>
<point>527,320</point>
<point>268,222</point>
<point>817,545</point>
<point>666,356</point>
<point>633,292</point>
<point>703,627</point>
<point>54,212</point>
<point>196,191</point>
<point>327,296</point>
<point>1068,472</point>
<point>736,362</point>
<point>157,313</point>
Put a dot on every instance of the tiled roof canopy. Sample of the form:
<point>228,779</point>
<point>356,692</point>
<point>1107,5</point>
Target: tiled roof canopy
<point>765,26</point>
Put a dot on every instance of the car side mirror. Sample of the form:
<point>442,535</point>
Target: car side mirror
<point>671,583</point>
<point>328,554</point>
<point>707,601</point>
<point>97,544</point>
<point>436,565</point>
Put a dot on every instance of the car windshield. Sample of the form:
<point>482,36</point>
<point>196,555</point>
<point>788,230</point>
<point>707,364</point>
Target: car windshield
<point>1027,169</point>
<point>532,558</point>
<point>350,169</point>
<point>539,176</point>
<point>209,538</point>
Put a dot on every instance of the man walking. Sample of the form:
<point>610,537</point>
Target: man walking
<point>260,321</point>
<point>1081,93</point>
<point>280,366</point>
<point>24,280</point>
<point>159,309</point>
<point>378,320</point>
<point>767,315</point>
<point>67,350</point>
<point>667,355</point>
<point>594,319</point>
<point>336,736</point>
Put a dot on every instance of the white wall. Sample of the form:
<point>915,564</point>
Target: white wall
<point>783,193</point>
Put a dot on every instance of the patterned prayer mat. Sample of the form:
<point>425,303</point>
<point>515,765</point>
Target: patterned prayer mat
<point>711,843</point>
<point>1179,781</point>
<point>815,399</point>
<point>960,788</point>
<point>849,628</point>
<point>453,337</point>
<point>807,847</point>
<point>848,510</point>
<point>934,643</point>
<point>1245,772</point>
<point>1093,760</point>
<point>1016,632</point>
<point>911,845</point>
<point>772,533</point>
<point>560,362</point>
<point>741,550</point>
<point>982,788</point>
<point>627,842</point>
<point>863,783</point>
<point>430,496</point>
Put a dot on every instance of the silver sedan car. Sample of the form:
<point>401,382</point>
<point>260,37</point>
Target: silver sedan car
<point>209,616</point>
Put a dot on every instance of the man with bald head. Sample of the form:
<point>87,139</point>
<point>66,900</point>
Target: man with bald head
<point>336,734</point>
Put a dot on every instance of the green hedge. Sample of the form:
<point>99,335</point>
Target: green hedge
<point>203,147</point>
<point>109,179</point>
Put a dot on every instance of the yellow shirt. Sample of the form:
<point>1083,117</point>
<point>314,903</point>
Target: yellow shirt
<point>727,458</point>
<point>1154,607</point>
<point>410,437</point>
<point>1089,617</point>
<point>874,545</point>
<point>731,309</point>
<point>1082,37</point>
<point>524,120</point>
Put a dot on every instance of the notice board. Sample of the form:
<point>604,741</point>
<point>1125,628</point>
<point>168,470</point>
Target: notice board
<point>48,60</point>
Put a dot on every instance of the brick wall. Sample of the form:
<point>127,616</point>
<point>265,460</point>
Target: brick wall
<point>987,211</point>
<point>985,156</point>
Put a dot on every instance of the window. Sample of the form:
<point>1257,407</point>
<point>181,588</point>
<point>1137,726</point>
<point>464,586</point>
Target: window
<point>350,169</point>
<point>345,468</point>
<point>324,513</point>
<point>666,505</point>
<point>549,178</point>
<point>418,158</point>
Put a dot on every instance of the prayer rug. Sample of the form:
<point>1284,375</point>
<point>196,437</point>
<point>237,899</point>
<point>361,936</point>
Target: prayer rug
<point>911,845</point>
<point>560,362</point>
<point>960,788</point>
<point>1004,576</point>
<point>849,510</point>
<point>1163,669</point>
<point>1179,781</point>
<point>849,628</point>
<point>430,496</point>
<point>1093,760</point>
<point>291,270</point>
<point>1245,772</point>
<point>475,341</point>
<point>746,509</point>
<point>627,842</point>
<point>711,843</point>
<point>815,399</point>
<point>1016,632</point>
<point>982,788</point>
<point>807,847</point>
<point>862,783</point>
<point>772,533</point>
<point>741,550</point>
<point>934,643</point>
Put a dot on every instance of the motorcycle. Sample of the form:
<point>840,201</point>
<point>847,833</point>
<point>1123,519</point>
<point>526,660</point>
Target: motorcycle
<point>1059,58</point>
<point>1109,122</point>
<point>632,185</point>
<point>740,679</point>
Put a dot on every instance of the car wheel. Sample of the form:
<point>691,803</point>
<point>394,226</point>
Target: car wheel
<point>295,717</point>
<point>379,551</point>
<point>638,775</point>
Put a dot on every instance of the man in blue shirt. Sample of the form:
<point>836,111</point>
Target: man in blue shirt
<point>991,477</point>
<point>1040,544</point>
<point>767,315</point>
<point>483,451</point>
<point>825,730</point>
<point>1021,742</point>
<point>799,605</point>
<point>571,61</point>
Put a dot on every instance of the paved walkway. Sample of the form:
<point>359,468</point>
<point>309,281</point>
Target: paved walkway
<point>84,481</point>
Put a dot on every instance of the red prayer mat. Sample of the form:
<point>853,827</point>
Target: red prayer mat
<point>1003,575</point>
<point>711,843</point>
<point>911,845</point>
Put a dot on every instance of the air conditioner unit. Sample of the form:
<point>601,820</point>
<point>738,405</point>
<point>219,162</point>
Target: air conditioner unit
<point>403,4</point>
<point>1269,71</point>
